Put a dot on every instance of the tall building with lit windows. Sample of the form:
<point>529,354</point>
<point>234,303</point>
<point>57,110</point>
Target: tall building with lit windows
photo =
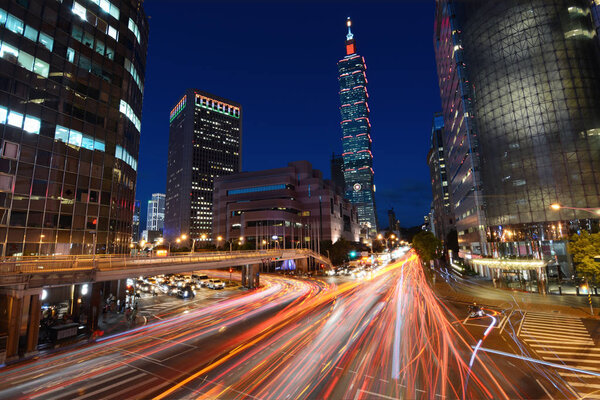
<point>155,214</point>
<point>356,140</point>
<point>71,88</point>
<point>520,88</point>
<point>205,141</point>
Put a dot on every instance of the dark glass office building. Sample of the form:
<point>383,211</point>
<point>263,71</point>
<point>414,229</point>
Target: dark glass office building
<point>356,140</point>
<point>442,216</point>
<point>337,171</point>
<point>534,67</point>
<point>205,141</point>
<point>71,88</point>
<point>461,147</point>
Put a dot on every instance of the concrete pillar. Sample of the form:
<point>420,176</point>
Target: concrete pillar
<point>302,265</point>
<point>244,276</point>
<point>121,288</point>
<point>254,276</point>
<point>33,325</point>
<point>14,308</point>
<point>95,305</point>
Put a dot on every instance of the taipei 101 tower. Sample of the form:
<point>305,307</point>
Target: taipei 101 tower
<point>356,140</point>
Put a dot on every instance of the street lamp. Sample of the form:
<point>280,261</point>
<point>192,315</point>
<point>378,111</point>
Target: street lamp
<point>557,207</point>
<point>40,249</point>
<point>381,237</point>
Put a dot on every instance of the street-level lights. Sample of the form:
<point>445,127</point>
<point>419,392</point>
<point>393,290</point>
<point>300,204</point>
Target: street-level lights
<point>381,237</point>
<point>557,207</point>
<point>240,241</point>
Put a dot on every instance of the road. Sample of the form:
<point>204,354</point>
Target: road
<point>387,337</point>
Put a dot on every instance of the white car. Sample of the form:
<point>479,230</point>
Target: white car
<point>216,284</point>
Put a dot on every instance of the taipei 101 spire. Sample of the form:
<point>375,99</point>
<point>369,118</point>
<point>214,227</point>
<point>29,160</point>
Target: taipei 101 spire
<point>356,135</point>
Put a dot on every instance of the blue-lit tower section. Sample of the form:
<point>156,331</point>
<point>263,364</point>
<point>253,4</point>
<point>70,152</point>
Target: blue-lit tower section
<point>356,141</point>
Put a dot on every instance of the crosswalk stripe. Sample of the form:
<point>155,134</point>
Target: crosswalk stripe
<point>569,360</point>
<point>546,325</point>
<point>118,383</point>
<point>561,347</point>
<point>555,320</point>
<point>536,332</point>
<point>590,385</point>
<point>119,394</point>
<point>574,353</point>
<point>109,378</point>
<point>551,339</point>
<point>547,315</point>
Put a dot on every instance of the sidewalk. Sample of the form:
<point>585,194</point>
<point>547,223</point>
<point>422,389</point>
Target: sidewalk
<point>509,298</point>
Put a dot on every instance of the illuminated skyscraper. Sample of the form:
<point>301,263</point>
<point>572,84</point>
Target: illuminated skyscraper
<point>205,141</point>
<point>356,141</point>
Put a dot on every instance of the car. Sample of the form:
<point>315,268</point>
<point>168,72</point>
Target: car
<point>204,282</point>
<point>164,288</point>
<point>173,289</point>
<point>186,292</point>
<point>216,284</point>
<point>197,279</point>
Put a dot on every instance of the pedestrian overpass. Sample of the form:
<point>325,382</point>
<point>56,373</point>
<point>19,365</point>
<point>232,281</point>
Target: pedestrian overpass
<point>22,280</point>
<point>37,272</point>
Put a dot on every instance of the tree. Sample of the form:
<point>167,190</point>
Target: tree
<point>427,246</point>
<point>339,251</point>
<point>584,248</point>
<point>452,242</point>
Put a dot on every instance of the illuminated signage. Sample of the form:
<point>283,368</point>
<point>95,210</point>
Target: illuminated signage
<point>180,106</point>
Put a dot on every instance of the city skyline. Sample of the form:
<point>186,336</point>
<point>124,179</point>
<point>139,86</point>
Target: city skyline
<point>259,86</point>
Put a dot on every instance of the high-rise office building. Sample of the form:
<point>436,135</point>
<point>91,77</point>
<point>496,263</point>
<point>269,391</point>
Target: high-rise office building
<point>205,141</point>
<point>135,229</point>
<point>461,139</point>
<point>536,69</point>
<point>393,223</point>
<point>436,159</point>
<point>337,171</point>
<point>71,88</point>
<point>155,215</point>
<point>356,140</point>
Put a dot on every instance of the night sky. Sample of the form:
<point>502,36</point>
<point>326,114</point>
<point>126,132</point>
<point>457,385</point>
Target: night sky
<point>278,59</point>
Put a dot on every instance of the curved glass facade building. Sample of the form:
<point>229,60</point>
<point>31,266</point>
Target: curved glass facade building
<point>536,69</point>
<point>71,88</point>
<point>356,141</point>
<point>533,68</point>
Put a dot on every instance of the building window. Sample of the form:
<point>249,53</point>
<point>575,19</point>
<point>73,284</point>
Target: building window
<point>46,41</point>
<point>32,125</point>
<point>133,28</point>
<point>10,150</point>
<point>14,24</point>
<point>15,119</point>
<point>6,183</point>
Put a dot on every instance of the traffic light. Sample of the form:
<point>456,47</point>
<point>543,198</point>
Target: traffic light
<point>95,221</point>
<point>230,269</point>
<point>352,254</point>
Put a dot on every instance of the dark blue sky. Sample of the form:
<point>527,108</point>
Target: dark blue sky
<point>278,59</point>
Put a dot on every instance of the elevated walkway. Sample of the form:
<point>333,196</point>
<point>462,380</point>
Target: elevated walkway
<point>37,272</point>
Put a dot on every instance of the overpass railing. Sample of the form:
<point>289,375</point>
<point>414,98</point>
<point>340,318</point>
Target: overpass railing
<point>60,263</point>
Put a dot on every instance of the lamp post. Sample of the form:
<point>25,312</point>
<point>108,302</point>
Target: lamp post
<point>240,241</point>
<point>40,249</point>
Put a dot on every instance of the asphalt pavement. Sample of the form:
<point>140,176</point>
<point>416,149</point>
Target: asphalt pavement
<point>383,337</point>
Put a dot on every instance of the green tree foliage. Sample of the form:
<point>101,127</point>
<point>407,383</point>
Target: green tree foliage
<point>583,248</point>
<point>427,246</point>
<point>338,253</point>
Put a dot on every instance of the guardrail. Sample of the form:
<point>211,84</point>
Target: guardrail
<point>24,265</point>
